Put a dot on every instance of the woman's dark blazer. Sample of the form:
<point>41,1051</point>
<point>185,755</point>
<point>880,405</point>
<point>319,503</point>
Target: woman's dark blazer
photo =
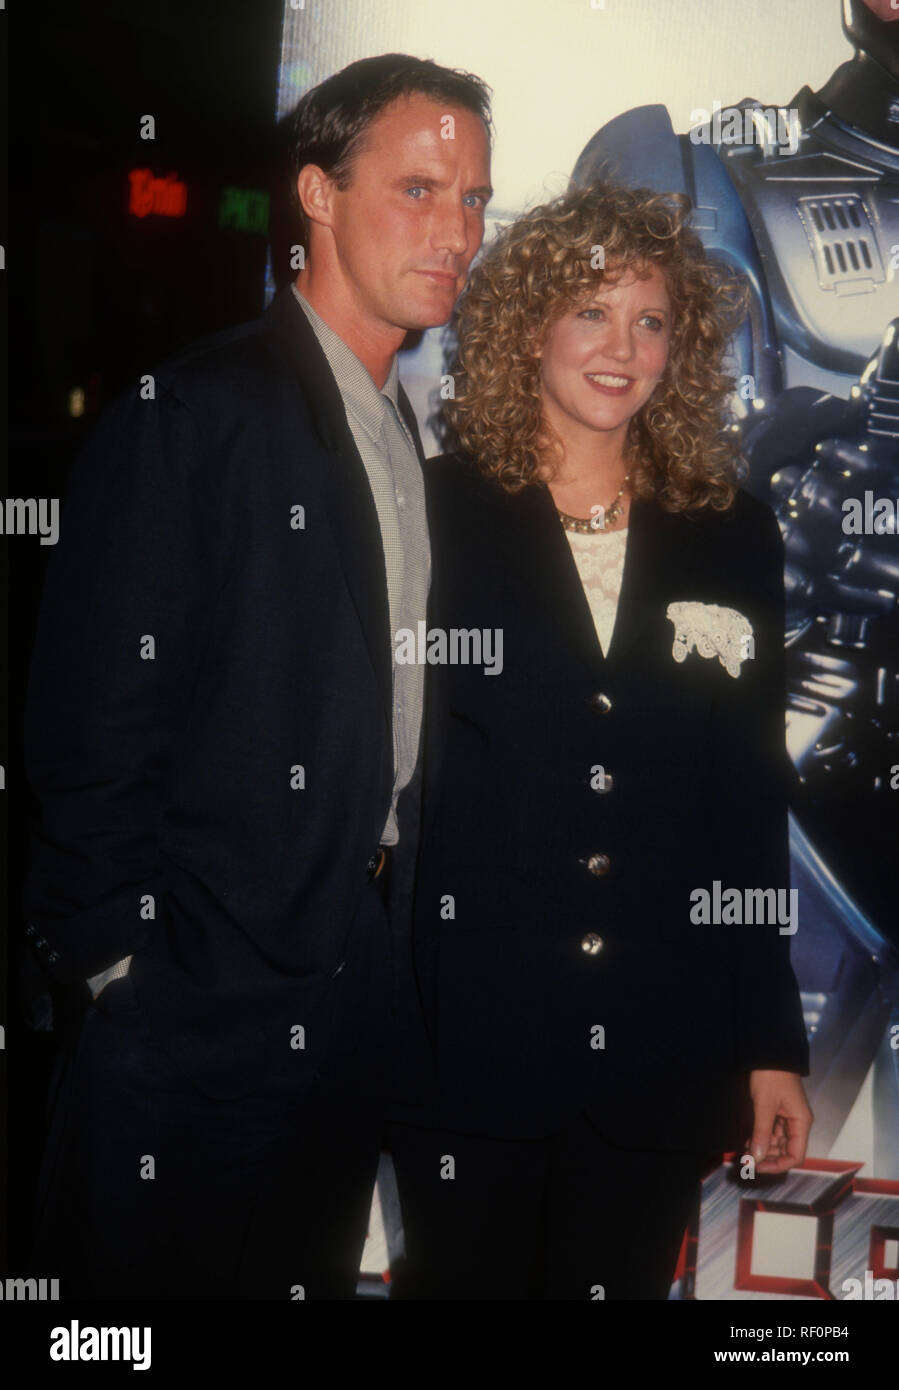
<point>652,1031</point>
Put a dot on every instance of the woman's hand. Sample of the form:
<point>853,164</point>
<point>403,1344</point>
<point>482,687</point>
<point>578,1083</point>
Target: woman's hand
<point>781,1120</point>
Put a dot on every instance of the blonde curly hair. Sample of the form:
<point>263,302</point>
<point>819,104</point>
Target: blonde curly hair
<point>539,268</point>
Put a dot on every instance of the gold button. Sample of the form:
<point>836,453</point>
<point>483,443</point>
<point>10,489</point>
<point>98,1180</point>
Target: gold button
<point>591,944</point>
<point>599,864</point>
<point>601,702</point>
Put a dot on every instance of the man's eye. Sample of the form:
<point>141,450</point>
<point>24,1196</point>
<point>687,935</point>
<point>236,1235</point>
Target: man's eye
<point>416,188</point>
<point>474,200</point>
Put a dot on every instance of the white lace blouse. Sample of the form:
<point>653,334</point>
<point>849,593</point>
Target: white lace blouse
<point>600,564</point>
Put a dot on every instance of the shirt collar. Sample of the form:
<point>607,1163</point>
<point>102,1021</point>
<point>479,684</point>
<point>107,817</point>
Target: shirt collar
<point>359,392</point>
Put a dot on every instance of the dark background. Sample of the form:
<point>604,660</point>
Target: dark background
<point>97,296</point>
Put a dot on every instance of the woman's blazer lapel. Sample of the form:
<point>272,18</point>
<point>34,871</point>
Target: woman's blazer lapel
<point>657,567</point>
<point>549,596</point>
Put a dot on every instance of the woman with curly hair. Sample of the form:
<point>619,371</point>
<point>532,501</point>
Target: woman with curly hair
<point>603,909</point>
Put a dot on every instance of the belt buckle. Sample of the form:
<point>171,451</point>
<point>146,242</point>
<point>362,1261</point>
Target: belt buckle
<point>377,862</point>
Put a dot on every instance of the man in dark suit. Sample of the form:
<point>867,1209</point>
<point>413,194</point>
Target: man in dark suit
<point>218,738</point>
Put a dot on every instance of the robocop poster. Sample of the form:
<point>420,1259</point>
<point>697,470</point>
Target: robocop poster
<point>778,121</point>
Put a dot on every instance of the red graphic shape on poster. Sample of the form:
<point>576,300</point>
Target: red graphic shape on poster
<point>829,1182</point>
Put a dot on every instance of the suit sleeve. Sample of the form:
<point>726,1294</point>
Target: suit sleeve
<point>120,633</point>
<point>754,777</point>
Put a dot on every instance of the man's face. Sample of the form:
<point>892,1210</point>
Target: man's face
<point>409,223</point>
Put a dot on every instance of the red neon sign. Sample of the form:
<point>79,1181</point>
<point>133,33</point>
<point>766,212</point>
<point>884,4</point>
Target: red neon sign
<point>167,197</point>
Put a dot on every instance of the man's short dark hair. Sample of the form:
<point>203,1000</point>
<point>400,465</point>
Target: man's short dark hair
<point>329,122</point>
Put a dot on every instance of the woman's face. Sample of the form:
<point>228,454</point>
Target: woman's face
<point>601,363</point>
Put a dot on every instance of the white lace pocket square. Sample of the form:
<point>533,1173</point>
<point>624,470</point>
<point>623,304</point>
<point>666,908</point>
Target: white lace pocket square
<point>712,631</point>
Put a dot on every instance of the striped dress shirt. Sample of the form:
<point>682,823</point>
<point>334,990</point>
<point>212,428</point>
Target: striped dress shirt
<point>394,473</point>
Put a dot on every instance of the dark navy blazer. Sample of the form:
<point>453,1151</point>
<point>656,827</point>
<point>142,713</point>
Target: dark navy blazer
<point>655,1027</point>
<point>208,722</point>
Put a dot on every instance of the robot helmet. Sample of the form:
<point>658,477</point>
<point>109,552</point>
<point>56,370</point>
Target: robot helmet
<point>870,34</point>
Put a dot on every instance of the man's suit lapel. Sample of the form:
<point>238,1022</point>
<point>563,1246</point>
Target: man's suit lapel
<point>351,508</point>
